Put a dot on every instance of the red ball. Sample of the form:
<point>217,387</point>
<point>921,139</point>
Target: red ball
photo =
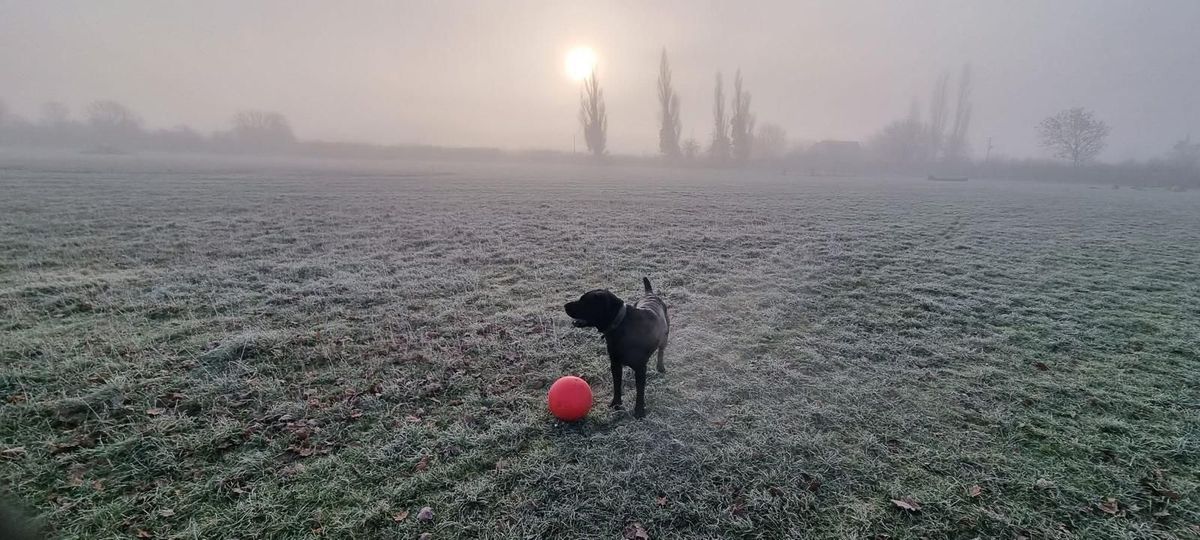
<point>570,398</point>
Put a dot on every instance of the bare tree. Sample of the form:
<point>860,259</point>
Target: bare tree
<point>262,128</point>
<point>1075,134</point>
<point>592,116</point>
<point>719,151</point>
<point>668,106</point>
<point>55,114</point>
<point>112,117</point>
<point>770,142</point>
<point>742,122</point>
<point>691,148</point>
<point>937,116</point>
<point>113,123</point>
<point>957,147</point>
<point>903,142</point>
<point>3,112</point>
<point>1185,155</point>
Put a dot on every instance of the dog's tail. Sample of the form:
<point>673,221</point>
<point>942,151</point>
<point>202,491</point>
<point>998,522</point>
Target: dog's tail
<point>646,283</point>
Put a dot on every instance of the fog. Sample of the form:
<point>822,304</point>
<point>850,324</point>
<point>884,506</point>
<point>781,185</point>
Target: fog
<point>491,73</point>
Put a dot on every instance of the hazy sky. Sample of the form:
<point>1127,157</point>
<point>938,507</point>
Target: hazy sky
<point>491,73</point>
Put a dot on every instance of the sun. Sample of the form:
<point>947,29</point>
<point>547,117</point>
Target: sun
<point>580,63</point>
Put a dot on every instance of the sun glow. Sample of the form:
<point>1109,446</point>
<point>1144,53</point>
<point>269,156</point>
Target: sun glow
<point>580,63</point>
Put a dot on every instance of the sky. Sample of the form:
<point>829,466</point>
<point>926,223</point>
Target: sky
<point>491,73</point>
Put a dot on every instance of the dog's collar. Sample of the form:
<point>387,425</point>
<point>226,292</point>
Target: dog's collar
<point>616,320</point>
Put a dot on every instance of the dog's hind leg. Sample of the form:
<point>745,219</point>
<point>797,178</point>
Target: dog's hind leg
<point>639,406</point>
<point>659,366</point>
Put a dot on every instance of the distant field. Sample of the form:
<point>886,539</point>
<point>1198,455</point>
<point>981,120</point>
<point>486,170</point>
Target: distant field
<point>259,349</point>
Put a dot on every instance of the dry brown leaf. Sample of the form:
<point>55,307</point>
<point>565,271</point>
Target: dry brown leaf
<point>413,419</point>
<point>1109,506</point>
<point>155,411</point>
<point>355,414</point>
<point>425,536</point>
<point>425,514</point>
<point>907,503</point>
<point>661,499</point>
<point>76,475</point>
<point>166,512</point>
<point>143,533</point>
<point>635,531</point>
<point>422,464</point>
<point>974,491</point>
<point>810,483</point>
<point>400,516</point>
<point>1041,366</point>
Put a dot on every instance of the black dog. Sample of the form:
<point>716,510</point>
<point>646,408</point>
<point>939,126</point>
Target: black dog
<point>631,332</point>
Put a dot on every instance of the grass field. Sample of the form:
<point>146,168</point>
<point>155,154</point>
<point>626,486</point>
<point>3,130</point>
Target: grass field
<point>270,350</point>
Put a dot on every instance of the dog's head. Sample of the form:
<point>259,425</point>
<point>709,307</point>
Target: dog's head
<point>596,308</point>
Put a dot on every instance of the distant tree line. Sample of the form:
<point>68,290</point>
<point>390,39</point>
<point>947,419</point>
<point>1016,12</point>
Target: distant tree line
<point>111,127</point>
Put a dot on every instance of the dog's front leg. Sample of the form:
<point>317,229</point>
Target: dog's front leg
<point>639,407</point>
<point>617,368</point>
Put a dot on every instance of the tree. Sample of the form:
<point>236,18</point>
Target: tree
<point>742,123</point>
<point>903,142</point>
<point>957,147</point>
<point>55,114</point>
<point>593,116</point>
<point>262,129</point>
<point>719,151</point>
<point>112,122</point>
<point>111,117</point>
<point>668,106</point>
<point>1075,134</point>
<point>937,116</point>
<point>3,112</point>
<point>1185,155</point>
<point>770,142</point>
<point>691,148</point>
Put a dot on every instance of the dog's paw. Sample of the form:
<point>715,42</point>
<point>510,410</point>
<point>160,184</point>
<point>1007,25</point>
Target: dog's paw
<point>639,412</point>
<point>615,405</point>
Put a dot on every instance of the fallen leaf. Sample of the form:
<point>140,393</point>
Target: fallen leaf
<point>1042,483</point>
<point>76,475</point>
<point>413,419</point>
<point>16,398</point>
<point>1041,366</point>
<point>155,411</point>
<point>635,531</point>
<point>425,536</point>
<point>908,504</point>
<point>661,499</point>
<point>810,483</point>
<point>166,512</point>
<point>400,516</point>
<point>1109,506</point>
<point>974,491</point>
<point>13,453</point>
<point>422,464</point>
<point>356,414</point>
<point>425,514</point>
<point>97,485</point>
<point>143,533</point>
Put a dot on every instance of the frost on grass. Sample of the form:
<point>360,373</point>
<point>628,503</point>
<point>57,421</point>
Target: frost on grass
<point>279,352</point>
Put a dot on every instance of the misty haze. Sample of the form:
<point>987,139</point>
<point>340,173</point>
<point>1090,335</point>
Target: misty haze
<point>641,270</point>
